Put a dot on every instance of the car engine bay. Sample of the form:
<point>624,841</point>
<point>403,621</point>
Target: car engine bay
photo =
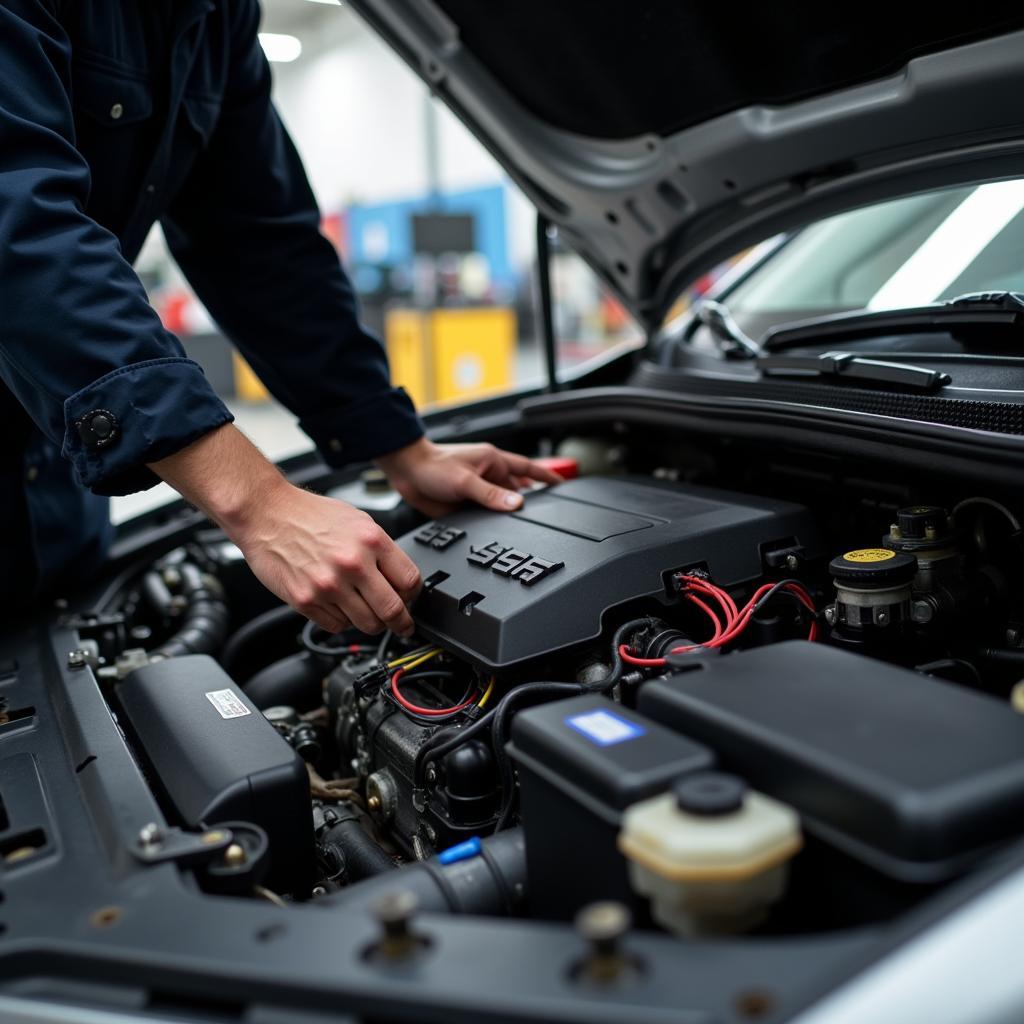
<point>646,702</point>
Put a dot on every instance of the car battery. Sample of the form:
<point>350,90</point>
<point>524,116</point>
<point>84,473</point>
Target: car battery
<point>581,763</point>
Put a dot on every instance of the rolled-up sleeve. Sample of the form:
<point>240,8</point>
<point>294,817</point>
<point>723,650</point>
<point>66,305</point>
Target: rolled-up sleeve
<point>246,231</point>
<point>137,414</point>
<point>80,346</point>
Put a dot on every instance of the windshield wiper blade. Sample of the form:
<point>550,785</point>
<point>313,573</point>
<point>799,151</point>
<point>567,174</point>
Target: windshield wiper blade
<point>733,342</point>
<point>978,314</point>
<point>851,367</point>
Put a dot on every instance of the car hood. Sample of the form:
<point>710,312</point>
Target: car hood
<point>662,137</point>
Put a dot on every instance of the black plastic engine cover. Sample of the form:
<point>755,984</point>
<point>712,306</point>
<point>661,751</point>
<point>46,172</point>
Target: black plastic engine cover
<point>502,589</point>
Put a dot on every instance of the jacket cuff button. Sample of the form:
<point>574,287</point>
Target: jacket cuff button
<point>97,428</point>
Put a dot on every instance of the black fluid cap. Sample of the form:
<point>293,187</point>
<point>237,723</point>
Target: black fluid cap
<point>915,521</point>
<point>709,794</point>
<point>873,568</point>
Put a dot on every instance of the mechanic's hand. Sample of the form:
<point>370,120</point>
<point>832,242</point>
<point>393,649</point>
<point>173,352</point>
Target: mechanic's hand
<point>437,478</point>
<point>332,562</point>
<point>325,558</point>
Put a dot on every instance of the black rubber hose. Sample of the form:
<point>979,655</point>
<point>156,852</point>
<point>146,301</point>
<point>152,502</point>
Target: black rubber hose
<point>489,884</point>
<point>1011,657</point>
<point>618,665</point>
<point>295,680</point>
<point>277,619</point>
<point>156,593</point>
<point>352,849</point>
<point>499,737</point>
<point>205,620</point>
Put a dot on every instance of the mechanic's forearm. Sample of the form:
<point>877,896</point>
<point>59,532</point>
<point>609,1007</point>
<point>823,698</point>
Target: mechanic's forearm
<point>327,559</point>
<point>225,476</point>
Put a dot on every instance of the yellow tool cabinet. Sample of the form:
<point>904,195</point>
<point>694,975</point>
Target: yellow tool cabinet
<point>448,355</point>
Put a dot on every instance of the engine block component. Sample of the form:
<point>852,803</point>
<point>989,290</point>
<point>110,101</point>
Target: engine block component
<point>504,589</point>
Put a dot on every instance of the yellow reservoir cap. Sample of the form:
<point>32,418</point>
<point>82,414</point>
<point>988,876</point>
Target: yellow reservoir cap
<point>869,555</point>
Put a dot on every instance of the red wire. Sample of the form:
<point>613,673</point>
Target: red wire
<point>736,620</point>
<point>709,588</point>
<point>655,662</point>
<point>415,708</point>
<point>748,609</point>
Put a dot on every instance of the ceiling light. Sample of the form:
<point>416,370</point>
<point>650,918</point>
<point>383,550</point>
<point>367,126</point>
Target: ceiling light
<point>280,48</point>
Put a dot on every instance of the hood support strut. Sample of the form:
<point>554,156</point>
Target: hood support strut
<point>544,301</point>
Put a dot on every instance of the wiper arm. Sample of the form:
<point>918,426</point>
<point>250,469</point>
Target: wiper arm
<point>731,339</point>
<point>984,313</point>
<point>849,366</point>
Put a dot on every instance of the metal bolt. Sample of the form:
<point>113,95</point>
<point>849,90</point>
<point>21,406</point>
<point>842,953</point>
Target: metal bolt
<point>922,612</point>
<point>395,911</point>
<point>78,658</point>
<point>319,890</point>
<point>792,562</point>
<point>895,532</point>
<point>150,836</point>
<point>930,533</point>
<point>830,614</point>
<point>431,773</point>
<point>604,925</point>
<point>373,803</point>
<point>235,856</point>
<point>882,618</point>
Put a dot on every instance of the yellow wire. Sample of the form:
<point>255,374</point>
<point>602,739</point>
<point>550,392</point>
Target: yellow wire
<point>420,660</point>
<point>487,693</point>
<point>406,658</point>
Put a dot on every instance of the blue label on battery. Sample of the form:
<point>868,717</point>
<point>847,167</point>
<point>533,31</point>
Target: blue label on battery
<point>605,728</point>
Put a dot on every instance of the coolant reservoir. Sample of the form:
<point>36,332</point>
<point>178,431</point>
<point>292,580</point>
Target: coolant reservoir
<point>710,854</point>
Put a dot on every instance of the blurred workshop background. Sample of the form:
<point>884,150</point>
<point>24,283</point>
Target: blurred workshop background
<point>437,240</point>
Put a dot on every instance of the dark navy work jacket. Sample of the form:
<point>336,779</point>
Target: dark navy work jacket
<point>115,114</point>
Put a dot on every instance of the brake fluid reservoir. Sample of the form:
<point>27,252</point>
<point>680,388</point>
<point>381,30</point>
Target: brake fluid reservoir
<point>711,855</point>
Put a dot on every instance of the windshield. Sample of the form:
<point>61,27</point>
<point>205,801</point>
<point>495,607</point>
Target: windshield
<point>903,253</point>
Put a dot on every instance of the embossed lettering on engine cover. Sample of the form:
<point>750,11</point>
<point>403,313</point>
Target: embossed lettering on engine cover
<point>508,561</point>
<point>438,536</point>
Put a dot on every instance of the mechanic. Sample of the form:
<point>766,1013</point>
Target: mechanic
<point>115,114</point>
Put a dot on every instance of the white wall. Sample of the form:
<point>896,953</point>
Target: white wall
<point>358,115</point>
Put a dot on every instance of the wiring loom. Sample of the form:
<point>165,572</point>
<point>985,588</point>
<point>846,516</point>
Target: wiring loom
<point>728,621</point>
